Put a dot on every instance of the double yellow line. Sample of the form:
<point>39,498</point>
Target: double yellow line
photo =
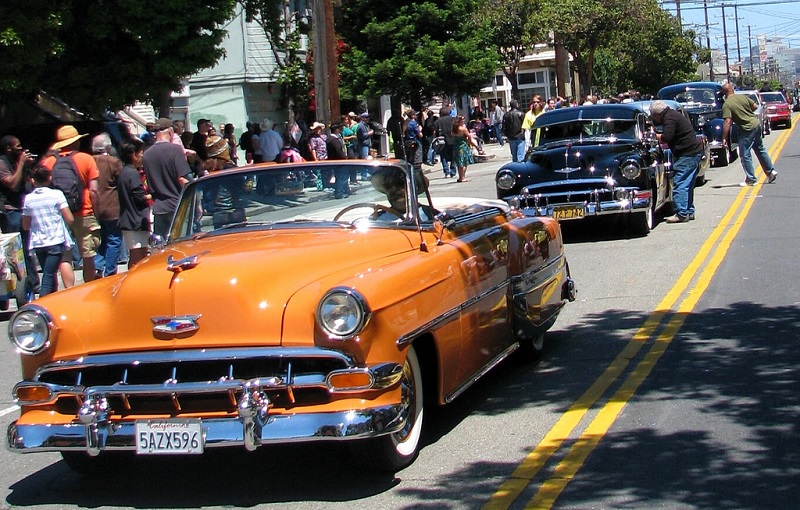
<point>669,320</point>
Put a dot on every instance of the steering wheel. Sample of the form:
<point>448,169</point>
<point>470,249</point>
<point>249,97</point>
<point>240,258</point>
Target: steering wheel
<point>376,208</point>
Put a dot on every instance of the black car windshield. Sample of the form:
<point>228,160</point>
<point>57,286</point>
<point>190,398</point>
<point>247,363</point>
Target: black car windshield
<point>298,195</point>
<point>692,96</point>
<point>586,129</point>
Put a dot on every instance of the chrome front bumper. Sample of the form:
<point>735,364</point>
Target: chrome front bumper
<point>98,425</point>
<point>218,432</point>
<point>634,203</point>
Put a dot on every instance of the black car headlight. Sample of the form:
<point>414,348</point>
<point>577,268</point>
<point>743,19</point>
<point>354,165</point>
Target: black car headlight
<point>29,329</point>
<point>505,179</point>
<point>630,170</point>
<point>342,313</point>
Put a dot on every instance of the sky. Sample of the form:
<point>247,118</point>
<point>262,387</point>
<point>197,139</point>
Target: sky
<point>770,17</point>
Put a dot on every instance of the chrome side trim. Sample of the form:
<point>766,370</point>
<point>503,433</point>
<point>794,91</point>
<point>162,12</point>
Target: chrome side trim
<point>406,339</point>
<point>540,274</point>
<point>536,276</point>
<point>480,373</point>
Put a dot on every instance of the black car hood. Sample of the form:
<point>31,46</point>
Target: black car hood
<point>577,160</point>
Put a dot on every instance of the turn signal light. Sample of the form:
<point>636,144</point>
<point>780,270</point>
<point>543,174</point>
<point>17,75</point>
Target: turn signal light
<point>25,394</point>
<point>349,381</point>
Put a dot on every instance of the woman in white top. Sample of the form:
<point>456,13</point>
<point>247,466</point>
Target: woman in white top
<point>44,214</point>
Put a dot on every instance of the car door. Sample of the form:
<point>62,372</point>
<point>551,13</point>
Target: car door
<point>482,241</point>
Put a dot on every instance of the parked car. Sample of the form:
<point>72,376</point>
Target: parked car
<point>705,161</point>
<point>761,110</point>
<point>595,160</point>
<point>778,109</point>
<point>274,313</point>
<point>703,101</point>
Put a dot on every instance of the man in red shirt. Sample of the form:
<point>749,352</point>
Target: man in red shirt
<point>85,227</point>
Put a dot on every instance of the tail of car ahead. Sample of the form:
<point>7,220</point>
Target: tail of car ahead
<point>280,313</point>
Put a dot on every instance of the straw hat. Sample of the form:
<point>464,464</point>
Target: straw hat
<point>65,136</point>
<point>217,147</point>
<point>317,125</point>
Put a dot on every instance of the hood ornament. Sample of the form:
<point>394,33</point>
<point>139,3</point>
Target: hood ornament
<point>176,266</point>
<point>175,325</point>
<point>568,169</point>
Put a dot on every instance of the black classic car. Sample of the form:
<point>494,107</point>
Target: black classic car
<point>703,102</point>
<point>591,161</point>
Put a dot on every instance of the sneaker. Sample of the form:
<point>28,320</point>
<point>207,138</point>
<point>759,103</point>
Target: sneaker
<point>744,184</point>
<point>691,216</point>
<point>676,218</point>
<point>772,176</point>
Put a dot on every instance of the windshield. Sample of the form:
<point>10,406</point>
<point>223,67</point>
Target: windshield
<point>693,96</point>
<point>300,195</point>
<point>611,129</point>
<point>772,97</point>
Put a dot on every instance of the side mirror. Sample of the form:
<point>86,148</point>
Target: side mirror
<point>446,219</point>
<point>157,242</point>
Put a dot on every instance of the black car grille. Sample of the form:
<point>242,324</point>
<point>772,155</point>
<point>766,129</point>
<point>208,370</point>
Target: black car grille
<point>568,192</point>
<point>198,381</point>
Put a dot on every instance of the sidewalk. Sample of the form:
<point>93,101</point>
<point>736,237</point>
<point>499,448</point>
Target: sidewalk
<point>494,153</point>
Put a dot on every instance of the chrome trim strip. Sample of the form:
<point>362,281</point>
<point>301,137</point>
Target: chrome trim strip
<point>189,355</point>
<point>219,432</point>
<point>553,267</point>
<point>406,339</point>
<point>480,373</point>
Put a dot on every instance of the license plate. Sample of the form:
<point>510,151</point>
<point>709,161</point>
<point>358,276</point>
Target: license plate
<point>170,436</point>
<point>567,213</point>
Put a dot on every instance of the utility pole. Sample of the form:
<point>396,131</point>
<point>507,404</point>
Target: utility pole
<point>326,70</point>
<point>708,44</point>
<point>738,46</point>
<point>725,35</point>
<point>678,9</point>
<point>750,46</point>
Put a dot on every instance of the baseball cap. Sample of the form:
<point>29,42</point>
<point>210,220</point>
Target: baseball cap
<point>162,124</point>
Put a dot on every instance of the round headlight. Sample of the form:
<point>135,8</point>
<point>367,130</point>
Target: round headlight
<point>29,330</point>
<point>342,313</point>
<point>505,179</point>
<point>630,170</point>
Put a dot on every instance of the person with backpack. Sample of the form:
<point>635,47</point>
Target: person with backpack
<point>75,174</point>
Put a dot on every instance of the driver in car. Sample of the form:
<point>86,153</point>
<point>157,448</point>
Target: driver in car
<point>392,183</point>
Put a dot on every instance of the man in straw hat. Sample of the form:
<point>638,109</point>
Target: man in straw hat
<point>85,227</point>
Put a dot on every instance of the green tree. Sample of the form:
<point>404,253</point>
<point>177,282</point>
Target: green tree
<point>414,50</point>
<point>514,27</point>
<point>28,39</point>
<point>585,26</point>
<point>286,28</point>
<point>101,54</point>
<point>649,51</point>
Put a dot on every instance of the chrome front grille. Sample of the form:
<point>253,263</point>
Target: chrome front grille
<point>192,381</point>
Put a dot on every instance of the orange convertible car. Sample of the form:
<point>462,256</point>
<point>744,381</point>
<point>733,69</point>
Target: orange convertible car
<point>275,312</point>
